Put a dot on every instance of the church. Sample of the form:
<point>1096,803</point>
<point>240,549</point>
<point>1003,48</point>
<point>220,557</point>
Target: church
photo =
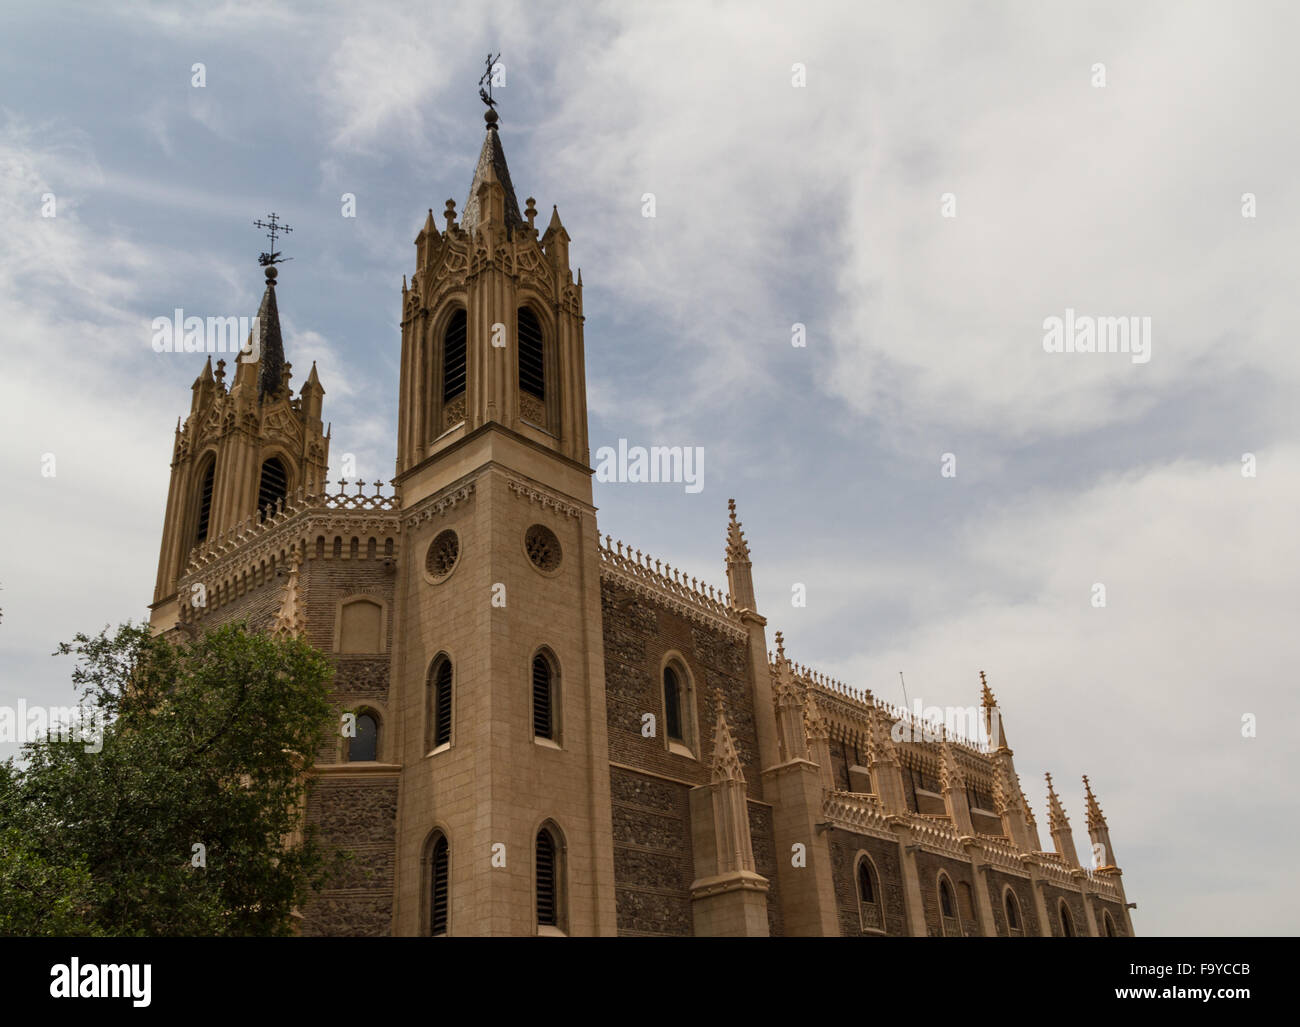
<point>545,730</point>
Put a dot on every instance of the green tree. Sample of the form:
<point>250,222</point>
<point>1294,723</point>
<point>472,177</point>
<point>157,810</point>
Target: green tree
<point>201,761</point>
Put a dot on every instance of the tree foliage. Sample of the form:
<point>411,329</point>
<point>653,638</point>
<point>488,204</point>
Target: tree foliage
<point>202,761</point>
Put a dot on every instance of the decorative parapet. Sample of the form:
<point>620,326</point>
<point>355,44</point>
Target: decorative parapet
<point>857,703</point>
<point>254,528</point>
<point>255,550</point>
<point>936,835</point>
<point>858,811</point>
<point>660,582</point>
<point>1000,853</point>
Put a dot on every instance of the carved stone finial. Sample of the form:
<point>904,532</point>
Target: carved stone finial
<point>737,547</point>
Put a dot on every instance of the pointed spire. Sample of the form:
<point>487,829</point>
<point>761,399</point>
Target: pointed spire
<point>430,229</point>
<point>270,349</point>
<point>992,718</point>
<point>290,621</point>
<point>205,376</point>
<point>726,760</point>
<point>1096,818</point>
<point>737,547</point>
<point>1055,813</point>
<point>491,167</point>
<point>555,225</point>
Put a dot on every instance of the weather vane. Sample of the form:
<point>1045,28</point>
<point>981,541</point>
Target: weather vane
<point>276,227</point>
<point>486,94</point>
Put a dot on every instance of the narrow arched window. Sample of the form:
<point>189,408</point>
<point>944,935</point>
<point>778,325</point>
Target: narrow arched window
<point>205,501</point>
<point>951,922</point>
<point>532,368</point>
<point>273,487</point>
<point>364,747</point>
<point>673,705</point>
<point>1109,924</point>
<point>438,867</point>
<point>1067,922</point>
<point>438,704</point>
<point>548,880</point>
<point>453,357</point>
<point>1013,915</point>
<point>543,697</point>
<point>866,891</point>
<point>869,914</point>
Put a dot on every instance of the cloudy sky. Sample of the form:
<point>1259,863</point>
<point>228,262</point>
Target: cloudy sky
<point>775,204</point>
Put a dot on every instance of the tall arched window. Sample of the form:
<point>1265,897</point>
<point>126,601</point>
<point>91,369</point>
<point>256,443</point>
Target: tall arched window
<point>1067,922</point>
<point>544,697</point>
<point>1012,905</point>
<point>948,910</point>
<point>364,748</point>
<point>869,900</point>
<point>549,865</point>
<point>1108,924</point>
<point>439,862</point>
<point>205,500</point>
<point>453,357</point>
<point>673,705</point>
<point>273,487</point>
<point>438,704</point>
<point>532,367</point>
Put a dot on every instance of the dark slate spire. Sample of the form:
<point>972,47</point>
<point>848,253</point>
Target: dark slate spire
<point>270,345</point>
<point>493,157</point>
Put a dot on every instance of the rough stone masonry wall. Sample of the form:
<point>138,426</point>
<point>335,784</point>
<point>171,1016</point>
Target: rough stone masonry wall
<point>653,861</point>
<point>959,872</point>
<point>1099,908</point>
<point>845,846</point>
<point>360,903</point>
<point>1024,892</point>
<point>1051,896</point>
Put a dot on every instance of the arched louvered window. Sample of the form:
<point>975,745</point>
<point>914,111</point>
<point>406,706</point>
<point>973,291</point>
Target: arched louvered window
<point>438,876</point>
<point>453,357</point>
<point>544,680</point>
<point>438,704</point>
<point>1013,914</point>
<point>1067,922</point>
<point>532,368</point>
<point>673,705</point>
<point>364,747</point>
<point>205,500</point>
<point>550,876</point>
<point>273,487</point>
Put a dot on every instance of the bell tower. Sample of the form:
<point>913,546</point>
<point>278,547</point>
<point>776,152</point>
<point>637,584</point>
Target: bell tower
<point>504,815</point>
<point>243,450</point>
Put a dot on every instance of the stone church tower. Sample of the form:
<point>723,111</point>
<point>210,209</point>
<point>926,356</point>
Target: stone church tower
<point>500,682</point>
<point>547,732</point>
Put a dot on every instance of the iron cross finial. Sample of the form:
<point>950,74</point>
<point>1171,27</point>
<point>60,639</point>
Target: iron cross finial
<point>486,79</point>
<point>275,227</point>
